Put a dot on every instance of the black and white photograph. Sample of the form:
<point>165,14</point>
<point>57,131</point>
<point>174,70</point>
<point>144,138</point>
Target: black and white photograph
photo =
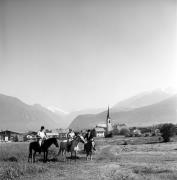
<point>88,89</point>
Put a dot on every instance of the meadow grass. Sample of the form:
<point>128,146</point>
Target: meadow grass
<point>111,161</point>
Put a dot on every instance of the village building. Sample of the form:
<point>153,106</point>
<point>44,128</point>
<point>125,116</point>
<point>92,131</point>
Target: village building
<point>136,132</point>
<point>104,129</point>
<point>99,132</point>
<point>10,136</point>
<point>62,133</point>
<point>52,134</point>
<point>108,124</point>
<point>31,135</point>
<point>101,125</point>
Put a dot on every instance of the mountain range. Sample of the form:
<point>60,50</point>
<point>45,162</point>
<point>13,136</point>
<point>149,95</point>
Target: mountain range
<point>141,110</point>
<point>15,115</point>
<point>18,116</point>
<point>145,109</point>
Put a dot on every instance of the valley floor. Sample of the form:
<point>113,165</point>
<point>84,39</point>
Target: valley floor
<point>135,161</point>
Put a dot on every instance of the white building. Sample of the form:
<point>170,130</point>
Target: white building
<point>99,132</point>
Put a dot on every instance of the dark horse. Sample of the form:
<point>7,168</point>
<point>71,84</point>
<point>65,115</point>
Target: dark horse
<point>74,146</point>
<point>89,147</point>
<point>34,147</point>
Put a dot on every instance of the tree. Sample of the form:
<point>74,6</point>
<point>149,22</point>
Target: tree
<point>15,138</point>
<point>124,131</point>
<point>167,131</point>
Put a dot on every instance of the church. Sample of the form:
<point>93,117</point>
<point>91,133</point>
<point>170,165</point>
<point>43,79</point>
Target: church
<point>104,129</point>
<point>108,124</point>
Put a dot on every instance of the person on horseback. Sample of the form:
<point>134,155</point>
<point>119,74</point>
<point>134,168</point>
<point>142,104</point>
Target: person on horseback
<point>70,137</point>
<point>41,136</point>
<point>89,138</point>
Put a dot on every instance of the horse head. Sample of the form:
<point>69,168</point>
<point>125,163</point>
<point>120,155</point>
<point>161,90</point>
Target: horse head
<point>56,142</point>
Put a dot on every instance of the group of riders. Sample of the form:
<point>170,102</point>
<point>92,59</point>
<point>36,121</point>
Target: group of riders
<point>42,136</point>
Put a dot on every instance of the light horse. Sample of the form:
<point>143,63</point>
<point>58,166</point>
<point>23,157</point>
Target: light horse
<point>89,147</point>
<point>34,147</point>
<point>73,148</point>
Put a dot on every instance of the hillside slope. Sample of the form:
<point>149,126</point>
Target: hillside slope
<point>162,112</point>
<point>18,116</point>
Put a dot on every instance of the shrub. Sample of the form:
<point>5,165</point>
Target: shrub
<point>124,131</point>
<point>115,132</point>
<point>16,138</point>
<point>110,135</point>
<point>167,131</point>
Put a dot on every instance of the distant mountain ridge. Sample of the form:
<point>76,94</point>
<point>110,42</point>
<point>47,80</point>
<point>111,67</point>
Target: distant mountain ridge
<point>18,116</point>
<point>135,111</point>
<point>141,110</point>
<point>142,99</point>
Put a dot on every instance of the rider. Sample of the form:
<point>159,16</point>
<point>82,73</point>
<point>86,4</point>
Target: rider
<point>89,137</point>
<point>70,137</point>
<point>41,135</point>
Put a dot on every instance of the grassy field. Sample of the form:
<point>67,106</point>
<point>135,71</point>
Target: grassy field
<point>142,158</point>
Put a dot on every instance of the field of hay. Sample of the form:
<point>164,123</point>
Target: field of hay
<point>142,158</point>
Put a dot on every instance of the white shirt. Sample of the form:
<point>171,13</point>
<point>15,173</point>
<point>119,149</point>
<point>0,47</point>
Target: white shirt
<point>71,135</point>
<point>41,134</point>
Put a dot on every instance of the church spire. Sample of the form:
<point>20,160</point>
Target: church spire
<point>108,123</point>
<point>108,114</point>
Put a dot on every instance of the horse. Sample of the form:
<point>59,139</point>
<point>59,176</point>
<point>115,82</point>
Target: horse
<point>34,146</point>
<point>73,148</point>
<point>89,147</point>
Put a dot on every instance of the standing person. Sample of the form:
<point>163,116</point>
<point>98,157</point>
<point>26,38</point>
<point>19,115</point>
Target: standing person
<point>88,135</point>
<point>41,135</point>
<point>70,137</point>
<point>89,138</point>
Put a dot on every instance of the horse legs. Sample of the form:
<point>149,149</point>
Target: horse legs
<point>30,153</point>
<point>30,157</point>
<point>60,151</point>
<point>91,156</point>
<point>33,156</point>
<point>63,152</point>
<point>46,155</point>
<point>87,154</point>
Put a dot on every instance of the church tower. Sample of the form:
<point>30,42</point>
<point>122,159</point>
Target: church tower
<point>108,123</point>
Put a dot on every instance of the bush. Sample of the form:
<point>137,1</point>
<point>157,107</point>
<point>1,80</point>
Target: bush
<point>167,131</point>
<point>124,131</point>
<point>110,135</point>
<point>15,138</point>
<point>115,132</point>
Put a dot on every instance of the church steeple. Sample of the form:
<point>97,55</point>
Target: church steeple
<point>108,123</point>
<point>108,114</point>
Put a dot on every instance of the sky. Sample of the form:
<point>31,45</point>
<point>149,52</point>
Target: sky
<point>77,54</point>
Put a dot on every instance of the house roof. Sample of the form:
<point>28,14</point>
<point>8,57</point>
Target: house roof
<point>7,131</point>
<point>99,129</point>
<point>52,134</point>
<point>60,131</point>
<point>101,125</point>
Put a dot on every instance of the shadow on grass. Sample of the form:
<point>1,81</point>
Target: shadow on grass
<point>149,170</point>
<point>55,159</point>
<point>11,159</point>
<point>154,142</point>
